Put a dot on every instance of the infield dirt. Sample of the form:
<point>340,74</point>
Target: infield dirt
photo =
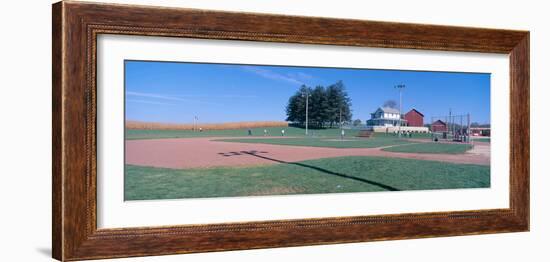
<point>185,153</point>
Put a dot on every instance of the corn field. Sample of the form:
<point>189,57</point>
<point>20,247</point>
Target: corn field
<point>204,126</point>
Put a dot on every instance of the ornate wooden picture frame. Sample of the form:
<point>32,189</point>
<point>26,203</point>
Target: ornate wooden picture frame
<point>76,26</point>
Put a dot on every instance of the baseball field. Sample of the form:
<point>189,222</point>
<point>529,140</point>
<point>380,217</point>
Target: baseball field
<point>186,163</point>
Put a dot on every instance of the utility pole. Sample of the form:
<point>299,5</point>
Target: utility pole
<point>306,95</point>
<point>468,130</point>
<point>400,87</point>
<point>195,123</point>
<point>340,117</point>
<point>341,127</point>
<point>451,122</point>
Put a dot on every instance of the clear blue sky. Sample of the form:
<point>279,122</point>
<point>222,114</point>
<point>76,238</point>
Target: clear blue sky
<point>175,92</point>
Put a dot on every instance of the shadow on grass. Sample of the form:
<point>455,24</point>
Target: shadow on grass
<point>322,170</point>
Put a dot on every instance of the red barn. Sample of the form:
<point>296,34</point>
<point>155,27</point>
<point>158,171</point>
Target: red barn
<point>439,126</point>
<point>414,118</point>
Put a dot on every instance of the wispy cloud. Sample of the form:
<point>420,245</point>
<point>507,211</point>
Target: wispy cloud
<point>158,96</point>
<point>238,96</point>
<point>167,97</point>
<point>300,75</point>
<point>220,96</point>
<point>268,74</point>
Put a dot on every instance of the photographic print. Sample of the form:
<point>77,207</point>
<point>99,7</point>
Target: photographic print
<point>203,130</point>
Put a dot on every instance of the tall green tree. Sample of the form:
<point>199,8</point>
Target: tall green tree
<point>390,103</point>
<point>326,108</point>
<point>295,109</point>
<point>339,104</point>
<point>318,113</point>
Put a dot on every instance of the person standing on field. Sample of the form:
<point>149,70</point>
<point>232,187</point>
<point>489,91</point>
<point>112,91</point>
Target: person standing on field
<point>282,132</point>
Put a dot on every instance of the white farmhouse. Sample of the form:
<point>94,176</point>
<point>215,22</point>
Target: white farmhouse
<point>386,116</point>
<point>386,119</point>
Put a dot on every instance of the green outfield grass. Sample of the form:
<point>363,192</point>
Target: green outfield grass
<point>347,142</point>
<point>272,131</point>
<point>329,175</point>
<point>482,139</point>
<point>434,148</point>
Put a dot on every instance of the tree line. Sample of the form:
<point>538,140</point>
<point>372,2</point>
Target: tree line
<point>327,106</point>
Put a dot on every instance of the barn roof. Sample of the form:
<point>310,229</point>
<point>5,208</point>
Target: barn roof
<point>418,112</point>
<point>439,122</point>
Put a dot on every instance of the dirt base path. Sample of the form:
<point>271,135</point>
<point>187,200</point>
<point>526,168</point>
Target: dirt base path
<point>183,153</point>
